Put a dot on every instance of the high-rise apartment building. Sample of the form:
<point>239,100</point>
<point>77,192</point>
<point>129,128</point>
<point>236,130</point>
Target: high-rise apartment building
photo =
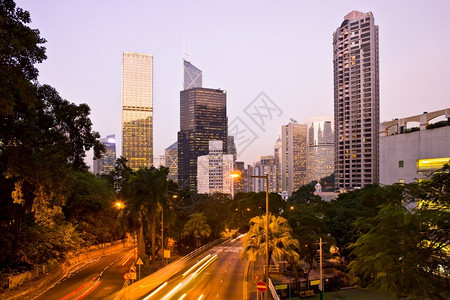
<point>320,148</point>
<point>171,156</point>
<point>107,162</point>
<point>214,170</point>
<point>356,101</point>
<point>137,109</point>
<point>203,117</point>
<point>294,156</point>
<point>266,165</point>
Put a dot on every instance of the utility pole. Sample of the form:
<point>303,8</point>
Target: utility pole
<point>320,266</point>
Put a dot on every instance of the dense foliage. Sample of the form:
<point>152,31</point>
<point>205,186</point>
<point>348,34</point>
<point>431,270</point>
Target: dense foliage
<point>43,141</point>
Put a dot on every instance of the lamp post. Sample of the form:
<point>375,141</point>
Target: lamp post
<point>266,177</point>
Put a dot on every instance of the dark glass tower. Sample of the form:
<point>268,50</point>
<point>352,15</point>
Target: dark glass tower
<point>203,117</point>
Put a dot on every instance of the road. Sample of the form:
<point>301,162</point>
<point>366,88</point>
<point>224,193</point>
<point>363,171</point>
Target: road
<point>218,274</point>
<point>95,278</point>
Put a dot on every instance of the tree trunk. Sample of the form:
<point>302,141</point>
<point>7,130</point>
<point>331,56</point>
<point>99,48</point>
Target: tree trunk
<point>140,241</point>
<point>153,231</point>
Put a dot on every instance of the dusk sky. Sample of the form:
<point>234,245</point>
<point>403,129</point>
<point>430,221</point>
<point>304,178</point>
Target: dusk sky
<point>281,48</point>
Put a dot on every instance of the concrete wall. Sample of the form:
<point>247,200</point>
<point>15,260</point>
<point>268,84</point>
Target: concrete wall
<point>409,147</point>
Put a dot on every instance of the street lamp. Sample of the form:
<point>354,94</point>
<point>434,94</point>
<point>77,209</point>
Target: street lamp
<point>266,177</point>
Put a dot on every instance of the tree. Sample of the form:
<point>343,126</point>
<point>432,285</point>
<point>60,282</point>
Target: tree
<point>342,213</point>
<point>281,243</point>
<point>90,208</point>
<point>20,50</point>
<point>145,193</point>
<point>404,250</point>
<point>197,227</point>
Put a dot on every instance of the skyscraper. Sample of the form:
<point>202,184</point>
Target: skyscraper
<point>320,148</point>
<point>265,165</point>
<point>137,109</point>
<point>192,76</point>
<point>294,156</point>
<point>277,149</point>
<point>203,117</point>
<point>356,101</point>
<point>107,162</point>
<point>171,156</point>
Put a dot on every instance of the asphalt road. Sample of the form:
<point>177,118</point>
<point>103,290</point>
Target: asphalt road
<point>95,278</point>
<point>218,275</point>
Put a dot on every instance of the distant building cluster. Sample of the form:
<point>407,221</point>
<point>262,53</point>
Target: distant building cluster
<point>353,145</point>
<point>107,162</point>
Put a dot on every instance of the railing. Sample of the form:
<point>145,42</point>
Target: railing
<point>273,291</point>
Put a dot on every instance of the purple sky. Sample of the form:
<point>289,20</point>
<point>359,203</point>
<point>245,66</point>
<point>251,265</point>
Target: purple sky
<point>283,48</point>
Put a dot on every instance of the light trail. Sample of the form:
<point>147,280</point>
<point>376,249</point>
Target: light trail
<point>182,297</point>
<point>193,267</point>
<point>172,291</point>
<point>128,258</point>
<point>201,297</point>
<point>156,291</point>
<point>97,283</point>
<point>206,264</point>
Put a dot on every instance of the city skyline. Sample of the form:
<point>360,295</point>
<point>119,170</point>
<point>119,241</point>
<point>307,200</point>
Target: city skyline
<point>413,58</point>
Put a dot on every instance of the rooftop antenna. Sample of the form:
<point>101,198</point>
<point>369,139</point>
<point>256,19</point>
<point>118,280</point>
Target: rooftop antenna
<point>186,55</point>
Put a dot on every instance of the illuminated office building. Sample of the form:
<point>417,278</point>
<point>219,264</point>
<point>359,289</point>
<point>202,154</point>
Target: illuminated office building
<point>294,156</point>
<point>356,101</point>
<point>107,162</point>
<point>137,109</point>
<point>203,117</point>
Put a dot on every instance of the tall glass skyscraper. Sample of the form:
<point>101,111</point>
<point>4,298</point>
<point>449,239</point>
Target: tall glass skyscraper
<point>356,101</point>
<point>203,117</point>
<point>294,156</point>
<point>137,109</point>
<point>192,76</point>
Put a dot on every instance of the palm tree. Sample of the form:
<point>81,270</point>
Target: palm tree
<point>197,227</point>
<point>281,243</point>
<point>146,194</point>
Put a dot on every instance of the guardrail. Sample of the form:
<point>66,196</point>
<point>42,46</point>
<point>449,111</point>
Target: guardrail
<point>273,291</point>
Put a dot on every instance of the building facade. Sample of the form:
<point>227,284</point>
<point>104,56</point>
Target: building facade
<point>137,109</point>
<point>320,148</point>
<point>294,156</point>
<point>214,170</point>
<point>408,154</point>
<point>203,117</point>
<point>171,156</point>
<point>266,165</point>
<point>277,151</point>
<point>356,101</point>
<point>159,161</point>
<point>107,162</point>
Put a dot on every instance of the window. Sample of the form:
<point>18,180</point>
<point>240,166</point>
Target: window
<point>400,163</point>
